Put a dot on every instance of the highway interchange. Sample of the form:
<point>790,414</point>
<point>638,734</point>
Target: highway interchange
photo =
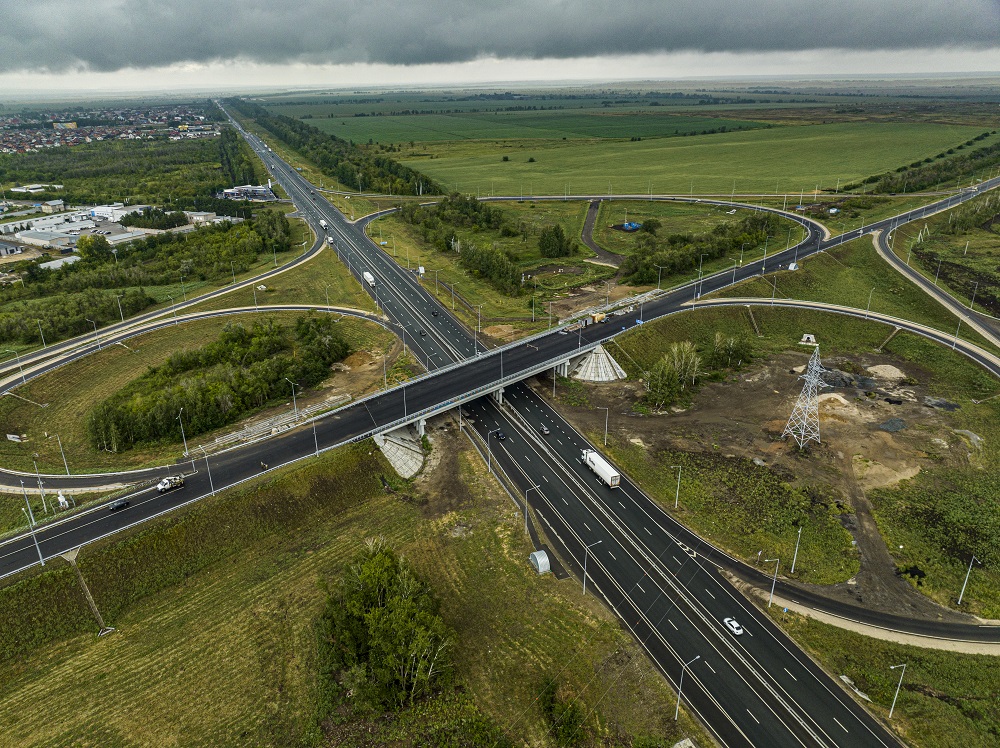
<point>659,578</point>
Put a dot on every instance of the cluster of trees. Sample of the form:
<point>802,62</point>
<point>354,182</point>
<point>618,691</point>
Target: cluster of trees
<point>682,252</point>
<point>140,171</point>
<point>154,218</point>
<point>238,164</point>
<point>564,715</point>
<point>437,223</point>
<point>381,637</point>
<point>677,372</point>
<point>979,213</point>
<point>946,167</point>
<point>64,315</point>
<point>351,165</point>
<point>496,265</point>
<point>219,383</point>
<point>553,242</point>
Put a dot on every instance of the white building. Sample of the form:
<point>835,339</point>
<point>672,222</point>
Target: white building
<point>116,211</point>
<point>53,206</point>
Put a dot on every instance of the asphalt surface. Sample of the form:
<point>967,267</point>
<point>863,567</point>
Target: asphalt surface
<point>752,703</point>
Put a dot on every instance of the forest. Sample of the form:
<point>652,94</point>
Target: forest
<point>349,164</point>
<point>219,383</point>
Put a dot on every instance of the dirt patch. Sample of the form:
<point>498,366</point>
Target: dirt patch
<point>500,332</point>
<point>745,415</point>
<point>441,481</point>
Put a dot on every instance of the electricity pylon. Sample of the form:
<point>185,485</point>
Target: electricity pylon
<point>803,424</point>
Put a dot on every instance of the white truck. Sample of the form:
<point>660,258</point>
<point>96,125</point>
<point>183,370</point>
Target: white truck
<point>602,467</point>
<point>169,483</point>
<point>369,279</point>
<point>323,224</point>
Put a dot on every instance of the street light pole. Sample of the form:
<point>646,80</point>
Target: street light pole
<point>680,686</point>
<point>898,686</point>
<point>118,298</point>
<point>21,368</point>
<point>489,450</point>
<point>868,308</point>
<point>65,464</point>
<point>796,554</point>
<point>31,525</point>
<point>40,333</point>
<point>974,295</point>
<point>96,336</point>
<point>211,484</point>
<point>525,495</point>
<point>777,563</point>
<point>586,554</point>
<point>183,437</point>
<point>607,413</point>
<point>677,495</point>
<point>962,593</point>
<point>294,402</point>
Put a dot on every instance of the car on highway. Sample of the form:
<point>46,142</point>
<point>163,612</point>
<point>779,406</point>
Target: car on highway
<point>170,482</point>
<point>422,333</point>
<point>543,430</point>
<point>734,628</point>
<point>501,436</point>
<point>435,313</point>
<point>117,505</point>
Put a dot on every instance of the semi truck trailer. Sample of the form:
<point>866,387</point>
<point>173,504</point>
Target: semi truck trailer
<point>369,279</point>
<point>602,467</point>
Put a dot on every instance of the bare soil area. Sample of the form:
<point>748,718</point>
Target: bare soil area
<point>876,431</point>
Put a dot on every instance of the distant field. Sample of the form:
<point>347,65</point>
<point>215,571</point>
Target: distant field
<point>781,159</point>
<point>572,124</point>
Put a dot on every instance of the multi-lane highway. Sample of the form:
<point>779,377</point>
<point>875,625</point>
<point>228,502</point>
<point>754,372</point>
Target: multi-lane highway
<point>737,686</point>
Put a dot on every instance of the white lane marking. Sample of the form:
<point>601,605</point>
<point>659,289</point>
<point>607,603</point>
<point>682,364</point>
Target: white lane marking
<point>841,726</point>
<point>612,555</point>
<point>790,673</point>
<point>565,502</point>
<point>587,526</point>
<point>710,667</point>
<point>713,597</point>
<point>544,478</point>
<point>757,720</point>
<point>641,589</point>
<point>673,624</point>
<point>621,505</point>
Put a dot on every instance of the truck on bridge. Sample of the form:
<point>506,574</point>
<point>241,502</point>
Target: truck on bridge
<point>602,467</point>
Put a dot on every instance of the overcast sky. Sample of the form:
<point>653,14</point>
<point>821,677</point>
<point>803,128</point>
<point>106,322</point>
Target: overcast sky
<point>166,44</point>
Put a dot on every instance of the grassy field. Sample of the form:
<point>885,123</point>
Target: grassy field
<point>848,274</point>
<point>572,124</point>
<point>405,245</point>
<point>676,218</point>
<point>947,700</point>
<point>218,631</point>
<point>785,159</point>
<point>854,211</point>
<point>304,284</point>
<point>69,392</point>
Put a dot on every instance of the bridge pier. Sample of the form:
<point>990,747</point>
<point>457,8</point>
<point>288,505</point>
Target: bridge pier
<point>563,368</point>
<point>498,396</point>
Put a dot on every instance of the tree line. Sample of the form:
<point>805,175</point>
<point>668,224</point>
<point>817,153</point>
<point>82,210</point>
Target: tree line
<point>947,167</point>
<point>154,218</point>
<point>219,383</point>
<point>58,303</point>
<point>351,165</point>
<point>677,253</point>
<point>238,164</point>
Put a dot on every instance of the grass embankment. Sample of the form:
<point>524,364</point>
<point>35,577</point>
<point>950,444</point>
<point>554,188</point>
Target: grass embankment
<point>782,159</point>
<point>215,622</point>
<point>940,517</point>
<point>947,700</point>
<point>406,247</point>
<point>304,284</point>
<point>71,391</point>
<point>847,275</point>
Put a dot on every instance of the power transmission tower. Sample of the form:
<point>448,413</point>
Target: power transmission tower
<point>803,424</point>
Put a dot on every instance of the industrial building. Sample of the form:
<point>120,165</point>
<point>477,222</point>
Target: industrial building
<point>249,192</point>
<point>116,211</point>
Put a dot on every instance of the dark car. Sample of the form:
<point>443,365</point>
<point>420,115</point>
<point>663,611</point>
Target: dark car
<point>501,436</point>
<point>422,333</point>
<point>435,313</point>
<point>118,504</point>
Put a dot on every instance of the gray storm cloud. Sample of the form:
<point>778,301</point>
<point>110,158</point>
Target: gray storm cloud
<point>108,35</point>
